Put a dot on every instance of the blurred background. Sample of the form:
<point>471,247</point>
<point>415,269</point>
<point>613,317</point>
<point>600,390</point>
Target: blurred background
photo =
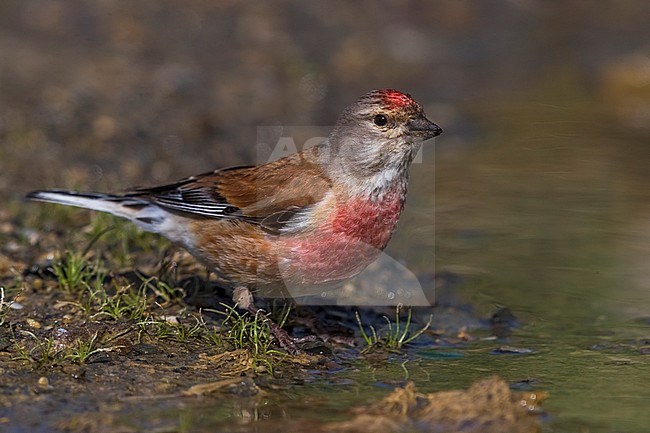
<point>100,94</point>
<point>536,194</point>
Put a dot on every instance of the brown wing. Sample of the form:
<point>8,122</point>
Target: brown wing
<point>268,195</point>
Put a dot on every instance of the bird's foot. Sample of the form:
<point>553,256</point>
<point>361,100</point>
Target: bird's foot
<point>244,299</point>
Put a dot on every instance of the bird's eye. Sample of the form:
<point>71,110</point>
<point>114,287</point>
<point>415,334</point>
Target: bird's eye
<point>381,120</point>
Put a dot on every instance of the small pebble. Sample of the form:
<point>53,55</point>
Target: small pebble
<point>32,323</point>
<point>75,371</point>
<point>510,350</point>
<point>43,382</point>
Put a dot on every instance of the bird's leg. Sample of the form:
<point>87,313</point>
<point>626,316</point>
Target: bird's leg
<point>244,300</point>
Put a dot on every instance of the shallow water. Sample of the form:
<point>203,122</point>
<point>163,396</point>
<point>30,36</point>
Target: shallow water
<point>548,215</point>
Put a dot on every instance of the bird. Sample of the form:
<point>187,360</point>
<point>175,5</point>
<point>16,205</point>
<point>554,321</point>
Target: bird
<point>295,226</point>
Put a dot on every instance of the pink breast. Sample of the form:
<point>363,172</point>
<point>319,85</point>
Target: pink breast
<point>352,238</point>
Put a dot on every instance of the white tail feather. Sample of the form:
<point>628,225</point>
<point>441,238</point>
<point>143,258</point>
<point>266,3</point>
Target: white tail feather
<point>99,202</point>
<point>146,215</point>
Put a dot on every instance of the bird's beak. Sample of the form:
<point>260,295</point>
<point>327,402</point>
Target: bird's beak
<point>422,127</point>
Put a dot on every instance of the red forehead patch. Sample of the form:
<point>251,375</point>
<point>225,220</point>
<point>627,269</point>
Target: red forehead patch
<point>395,99</point>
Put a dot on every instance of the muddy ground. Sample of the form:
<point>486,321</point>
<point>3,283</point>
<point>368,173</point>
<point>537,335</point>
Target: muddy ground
<point>128,321</point>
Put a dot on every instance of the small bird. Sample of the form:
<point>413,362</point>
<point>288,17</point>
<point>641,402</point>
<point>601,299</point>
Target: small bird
<point>292,227</point>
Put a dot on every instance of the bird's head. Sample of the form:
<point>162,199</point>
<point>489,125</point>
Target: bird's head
<point>378,136</point>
